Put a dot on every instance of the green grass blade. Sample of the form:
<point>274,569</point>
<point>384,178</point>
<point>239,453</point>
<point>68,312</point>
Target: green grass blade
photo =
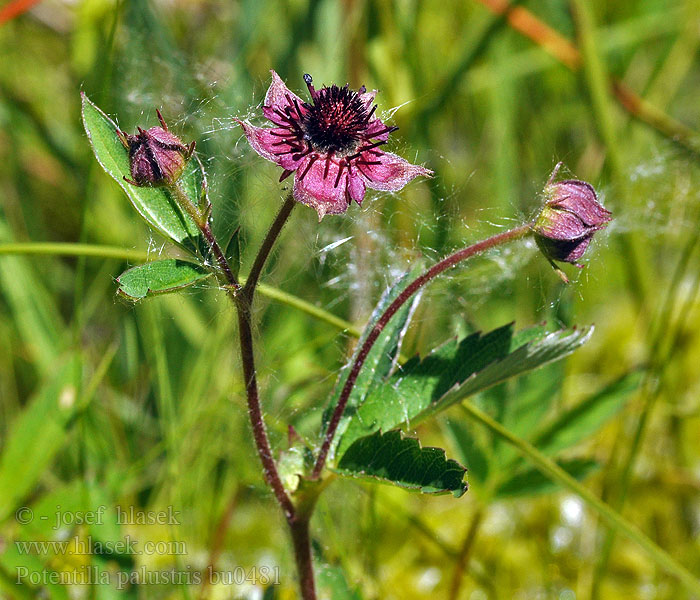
<point>613,519</point>
<point>35,438</point>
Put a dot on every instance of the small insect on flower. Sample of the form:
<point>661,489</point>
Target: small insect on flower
<point>332,144</point>
<point>157,157</point>
<point>568,220</point>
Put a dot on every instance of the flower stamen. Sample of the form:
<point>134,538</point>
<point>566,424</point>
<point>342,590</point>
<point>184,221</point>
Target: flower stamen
<point>312,160</point>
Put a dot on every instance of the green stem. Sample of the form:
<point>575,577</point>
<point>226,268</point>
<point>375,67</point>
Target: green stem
<point>612,518</point>
<point>74,249</point>
<point>115,252</point>
<point>464,554</point>
<point>201,218</point>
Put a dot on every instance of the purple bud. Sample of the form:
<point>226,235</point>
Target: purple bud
<point>568,220</point>
<point>156,156</point>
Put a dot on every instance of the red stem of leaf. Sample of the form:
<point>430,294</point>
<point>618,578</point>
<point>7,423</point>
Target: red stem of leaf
<point>391,310</point>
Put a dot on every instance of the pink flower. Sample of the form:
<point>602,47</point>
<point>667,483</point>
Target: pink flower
<point>331,144</point>
<point>156,156</point>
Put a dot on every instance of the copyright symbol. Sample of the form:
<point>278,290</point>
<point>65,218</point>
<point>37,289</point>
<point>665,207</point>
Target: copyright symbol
<point>24,515</point>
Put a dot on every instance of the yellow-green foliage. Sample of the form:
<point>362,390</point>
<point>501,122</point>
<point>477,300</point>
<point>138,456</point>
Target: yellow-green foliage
<point>143,406</point>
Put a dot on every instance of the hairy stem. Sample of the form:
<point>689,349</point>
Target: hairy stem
<point>202,221</point>
<point>297,517</point>
<point>391,310</point>
<point>301,539</point>
<point>243,301</point>
<point>262,443</point>
<point>218,254</point>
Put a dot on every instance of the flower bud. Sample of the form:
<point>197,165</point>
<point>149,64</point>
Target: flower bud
<point>156,156</point>
<point>568,220</point>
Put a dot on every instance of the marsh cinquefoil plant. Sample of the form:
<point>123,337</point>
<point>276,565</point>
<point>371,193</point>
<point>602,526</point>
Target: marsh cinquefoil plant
<point>332,144</point>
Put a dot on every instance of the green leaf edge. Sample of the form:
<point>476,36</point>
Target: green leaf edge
<point>415,442</point>
<point>523,340</point>
<point>188,229</point>
<point>403,317</point>
<point>149,293</point>
<point>577,337</point>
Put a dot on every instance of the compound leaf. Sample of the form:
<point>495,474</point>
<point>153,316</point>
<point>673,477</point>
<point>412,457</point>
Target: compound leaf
<point>382,357</point>
<point>455,370</point>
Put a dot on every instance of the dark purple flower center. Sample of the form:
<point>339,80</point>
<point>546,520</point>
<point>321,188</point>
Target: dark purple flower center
<point>336,121</point>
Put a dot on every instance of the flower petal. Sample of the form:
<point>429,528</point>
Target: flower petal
<point>323,185</point>
<point>562,225</point>
<point>367,98</point>
<point>278,98</point>
<point>377,130</point>
<point>579,198</point>
<point>356,186</point>
<point>386,171</point>
<point>272,147</point>
<point>578,249</point>
<point>564,250</point>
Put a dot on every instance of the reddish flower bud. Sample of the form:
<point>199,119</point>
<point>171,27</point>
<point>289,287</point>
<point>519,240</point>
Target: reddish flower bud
<point>157,157</point>
<point>568,220</point>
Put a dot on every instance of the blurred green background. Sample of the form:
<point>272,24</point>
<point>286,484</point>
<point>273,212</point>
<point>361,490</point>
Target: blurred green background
<point>103,403</point>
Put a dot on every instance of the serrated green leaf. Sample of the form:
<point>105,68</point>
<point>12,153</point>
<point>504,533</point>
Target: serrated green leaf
<point>392,458</point>
<point>382,357</point>
<point>586,418</point>
<point>531,481</point>
<point>529,350</point>
<point>159,277</point>
<point>454,371</point>
<point>155,205</point>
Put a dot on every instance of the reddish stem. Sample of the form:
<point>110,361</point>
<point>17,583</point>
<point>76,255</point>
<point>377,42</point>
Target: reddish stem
<point>254,412</point>
<point>299,527</point>
<point>266,246</point>
<point>391,310</point>
<point>244,302</point>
